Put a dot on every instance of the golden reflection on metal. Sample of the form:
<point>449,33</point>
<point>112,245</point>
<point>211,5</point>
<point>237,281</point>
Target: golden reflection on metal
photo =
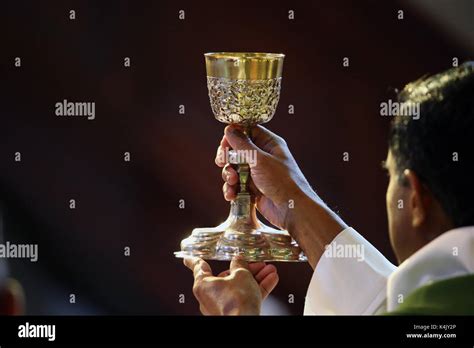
<point>244,89</point>
<point>244,66</point>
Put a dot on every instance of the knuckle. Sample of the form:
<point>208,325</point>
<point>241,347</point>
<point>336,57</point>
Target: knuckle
<point>280,141</point>
<point>197,290</point>
<point>241,273</point>
<point>202,309</point>
<point>226,173</point>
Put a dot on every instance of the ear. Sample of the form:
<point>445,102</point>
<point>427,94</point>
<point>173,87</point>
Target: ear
<point>12,298</point>
<point>419,198</point>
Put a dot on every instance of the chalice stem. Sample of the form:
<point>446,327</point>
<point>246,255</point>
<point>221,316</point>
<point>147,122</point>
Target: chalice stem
<point>243,169</point>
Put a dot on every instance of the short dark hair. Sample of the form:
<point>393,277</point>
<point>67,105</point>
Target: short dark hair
<point>439,145</point>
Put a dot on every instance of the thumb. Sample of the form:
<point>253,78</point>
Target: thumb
<point>238,140</point>
<point>236,263</point>
<point>200,268</point>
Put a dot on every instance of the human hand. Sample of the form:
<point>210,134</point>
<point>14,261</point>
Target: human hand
<point>276,181</point>
<point>237,291</point>
<point>275,177</point>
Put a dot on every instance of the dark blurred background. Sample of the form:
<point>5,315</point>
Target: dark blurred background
<point>136,203</point>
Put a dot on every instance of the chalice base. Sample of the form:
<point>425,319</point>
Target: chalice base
<point>244,235</point>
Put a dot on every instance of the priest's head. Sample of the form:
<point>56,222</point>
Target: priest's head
<point>431,160</point>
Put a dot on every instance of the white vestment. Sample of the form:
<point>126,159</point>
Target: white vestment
<point>373,285</point>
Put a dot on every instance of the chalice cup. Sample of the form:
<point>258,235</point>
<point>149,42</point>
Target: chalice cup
<point>244,89</point>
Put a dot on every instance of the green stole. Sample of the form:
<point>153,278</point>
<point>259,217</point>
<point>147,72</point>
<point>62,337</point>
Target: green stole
<point>453,296</point>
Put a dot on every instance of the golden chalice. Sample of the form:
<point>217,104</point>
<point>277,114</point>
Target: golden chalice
<point>244,89</point>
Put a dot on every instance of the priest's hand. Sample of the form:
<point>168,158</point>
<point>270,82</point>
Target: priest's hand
<point>276,180</point>
<point>237,291</point>
<point>283,195</point>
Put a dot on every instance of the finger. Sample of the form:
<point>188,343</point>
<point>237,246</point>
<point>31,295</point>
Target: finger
<point>230,192</point>
<point>256,267</point>
<point>200,268</point>
<point>189,262</point>
<point>222,151</point>
<point>221,154</point>
<point>204,310</point>
<point>225,143</point>
<point>224,274</point>
<point>236,263</point>
<point>238,140</point>
<point>266,140</point>
<point>229,175</point>
<point>268,284</point>
<point>265,271</point>
<point>220,159</point>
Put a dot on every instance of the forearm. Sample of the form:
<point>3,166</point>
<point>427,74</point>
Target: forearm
<point>313,225</point>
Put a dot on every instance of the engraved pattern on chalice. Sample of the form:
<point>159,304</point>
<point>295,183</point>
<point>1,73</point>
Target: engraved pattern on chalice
<point>244,89</point>
<point>244,102</point>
